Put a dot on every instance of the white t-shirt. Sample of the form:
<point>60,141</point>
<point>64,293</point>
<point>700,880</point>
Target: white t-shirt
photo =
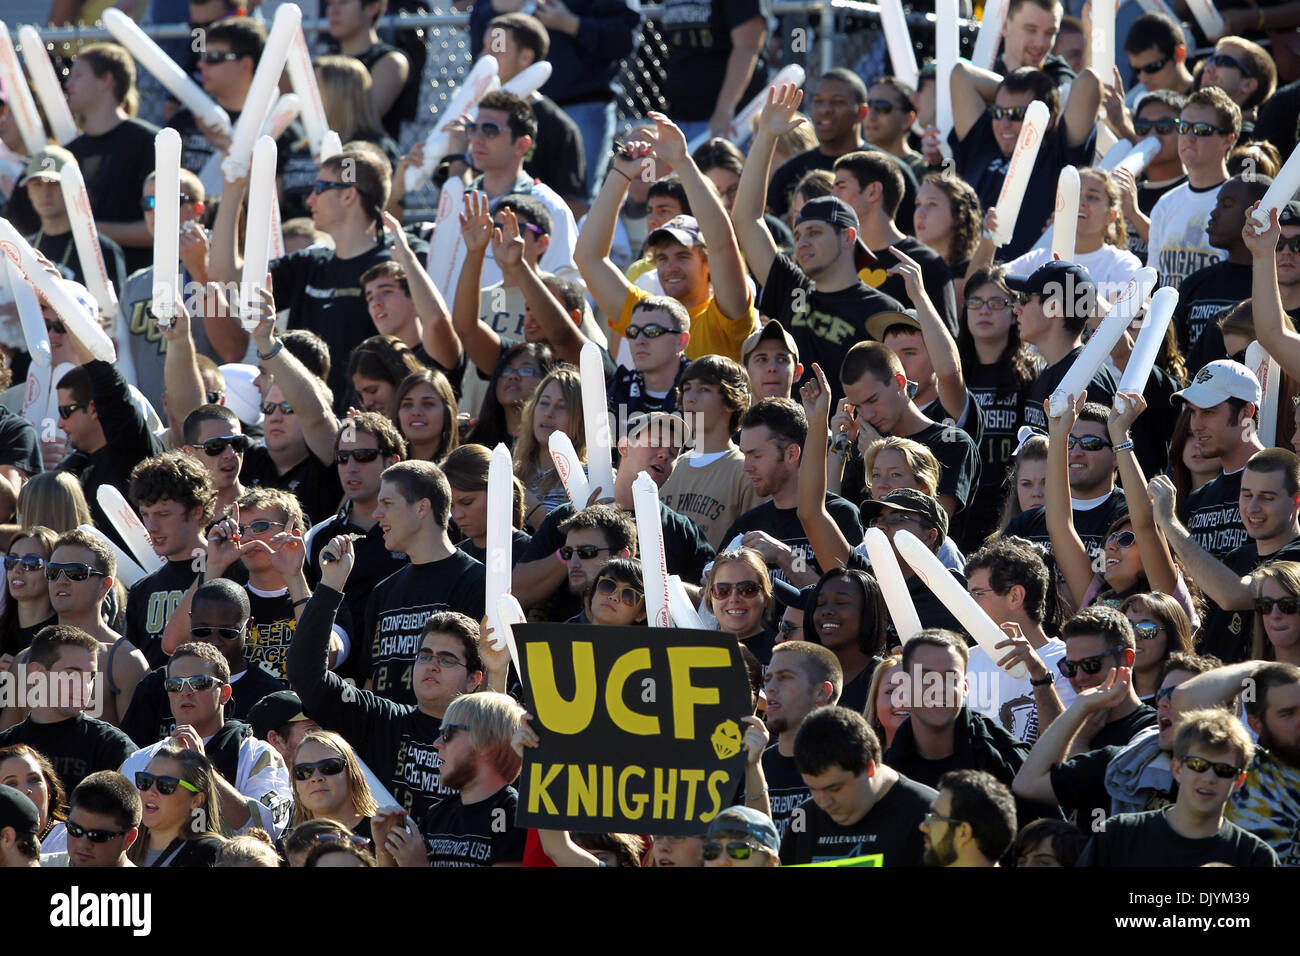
<point>1177,244</point>
<point>558,257</point>
<point>1110,267</point>
<point>999,696</point>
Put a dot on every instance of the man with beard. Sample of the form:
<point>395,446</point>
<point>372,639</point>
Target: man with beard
<point>1268,803</point>
<point>971,822</point>
<point>592,538</point>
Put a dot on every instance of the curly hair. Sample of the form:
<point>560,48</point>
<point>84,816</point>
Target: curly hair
<point>964,206</point>
<point>174,476</point>
<point>382,430</point>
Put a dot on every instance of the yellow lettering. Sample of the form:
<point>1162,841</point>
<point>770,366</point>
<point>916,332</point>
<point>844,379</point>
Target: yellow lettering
<point>633,810</point>
<point>553,711</point>
<point>606,791</point>
<point>537,785</point>
<point>693,778</point>
<point>686,696</point>
<point>582,789</point>
<point>715,778</point>
<point>622,715</point>
<point>665,796</point>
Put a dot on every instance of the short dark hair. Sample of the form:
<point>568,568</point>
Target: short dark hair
<point>848,78</point>
<point>522,120</point>
<point>309,349</point>
<point>46,645</point>
<point>223,591</point>
<point>1051,6</point>
<point>390,269</point>
<point>569,293</point>
<point>1012,560</point>
<point>1194,664</point>
<point>1170,98</point>
<point>208,413</point>
<point>1270,675</point>
<point>373,178</point>
<point>1029,80</point>
<point>103,557</point>
<point>870,357</point>
<point>381,429</point>
<point>833,736</point>
<point>416,480</point>
<point>816,663</point>
<point>1226,112</point>
<point>984,802</point>
<point>77,383</point>
<point>1101,620</point>
<point>731,379</point>
<point>527,208</point>
<point>1278,460</point>
<point>784,417</point>
<point>719,153</point>
<point>618,526</point>
<point>1071,25</point>
<point>670,187</point>
<point>109,794</point>
<point>527,32</point>
<point>1067,840</point>
<point>246,36</point>
<point>935,637</point>
<point>1094,412</point>
<point>1157,30</point>
<point>462,627</point>
<point>876,167</point>
<point>174,476</point>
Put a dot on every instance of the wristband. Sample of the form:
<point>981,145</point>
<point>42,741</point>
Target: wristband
<point>1041,682</point>
<point>615,169</point>
<point>1124,445</point>
<point>301,601</point>
<point>275,350</point>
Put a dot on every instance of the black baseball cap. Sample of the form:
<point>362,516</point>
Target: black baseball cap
<point>1055,277</point>
<point>274,711</point>
<point>18,811</point>
<point>1289,215</point>
<point>840,214</point>
<point>911,501</point>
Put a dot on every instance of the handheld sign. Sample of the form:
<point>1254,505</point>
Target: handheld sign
<point>885,566</point>
<point>1269,374</point>
<point>1149,340</point>
<point>569,467</point>
<point>262,92</point>
<point>985,53</point>
<point>639,730</point>
<point>86,238</point>
<point>480,81</point>
<point>257,236</point>
<point>650,535</point>
<point>956,599</point>
<point>1208,18</point>
<point>1285,185</point>
<point>595,415</point>
<point>1103,38</point>
<point>1065,223</point>
<point>1140,157</point>
<point>500,506</point>
<point>166,225</point>
<point>19,97</point>
<point>1126,307</point>
<point>446,237</point>
<point>902,56</point>
<point>165,70</point>
<point>1019,170</point>
<point>303,80</point>
<point>128,524</point>
<point>128,572</point>
<point>47,86</point>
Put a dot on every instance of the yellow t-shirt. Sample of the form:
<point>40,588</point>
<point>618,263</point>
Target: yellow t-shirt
<point>712,333</point>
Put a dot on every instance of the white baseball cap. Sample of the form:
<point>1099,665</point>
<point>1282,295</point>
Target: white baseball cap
<point>1220,381</point>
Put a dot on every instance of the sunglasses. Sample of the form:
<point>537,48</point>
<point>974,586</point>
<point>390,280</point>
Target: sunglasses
<point>268,408</point>
<point>330,767</point>
<point>1164,127</point>
<point>651,331</point>
<point>28,562</point>
<point>442,659</point>
<point>489,130</point>
<point>73,571</point>
<point>215,446</point>
<point>67,411</point>
<point>225,633</point>
<point>746,589</point>
<point>883,107</point>
<point>608,587</point>
<point>150,203</point>
<point>1014,113</point>
<point>166,785</point>
<point>1165,692</point>
<point>214,398</point>
<point>526,372</point>
<point>1200,130</point>
<point>449,732</point>
<point>736,849</point>
<point>1087,442</point>
<point>355,839</point>
<point>1290,245</point>
<point>1224,771</point>
<point>1124,539</point>
<point>324,185</point>
<point>261,526</point>
<point>362,456</point>
<point>212,58</point>
<point>1147,630</point>
<point>1089,665</point>
<point>1287,605</point>
<point>94,836</point>
<point>584,551</point>
<point>1155,66</point>
<point>197,684</point>
<point>786,628</point>
<point>1223,60</point>
<point>535,230</point>
<point>997,303</point>
<point>58,328</point>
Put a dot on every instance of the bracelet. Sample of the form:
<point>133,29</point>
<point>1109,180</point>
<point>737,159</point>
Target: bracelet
<point>275,350</point>
<point>755,796</point>
<point>615,169</point>
<point>301,601</point>
<point>1041,682</point>
<point>1123,446</point>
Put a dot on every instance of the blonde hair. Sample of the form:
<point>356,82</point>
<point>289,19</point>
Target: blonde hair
<point>363,801</point>
<point>53,499</point>
<point>919,460</point>
<point>740,556</point>
<point>345,91</point>
<point>251,849</point>
<point>273,499</point>
<point>1215,728</point>
<point>492,720</point>
<point>528,451</point>
<point>873,692</point>
<point>1116,230</point>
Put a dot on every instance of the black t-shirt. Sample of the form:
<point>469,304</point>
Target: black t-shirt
<point>828,324</point>
<point>1204,295</point>
<point>1054,66</point>
<point>1213,516</point>
<point>698,36</point>
<point>150,604</point>
<point>475,834</point>
<point>981,163</point>
<point>786,790</point>
<point>62,251</point>
<point>959,460</point>
<point>395,615</point>
<point>1120,731</point>
<point>149,718</point>
<point>18,445</point>
<point>1279,117</point>
<point>784,525</point>
<point>1001,408</point>
<point>787,176</point>
<point>935,277</point>
<point>518,545</point>
<point>1090,524</point>
<point>890,831</point>
<point>313,482</point>
<point>1227,634</point>
<point>115,165</point>
<point>273,626</point>
<point>1101,389</point>
<point>557,157</point>
<point>1147,839</point>
<point>77,747</point>
<point>1080,787</point>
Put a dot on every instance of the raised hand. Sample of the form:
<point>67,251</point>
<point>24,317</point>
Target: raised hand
<point>1020,651</point>
<point>336,561</point>
<point>778,115</point>
<point>264,312</point>
<point>1261,243</point>
<point>1128,406</point>
<point>816,396</point>
<point>755,739</point>
<point>525,736</point>
<point>1060,425</point>
<point>671,141</point>
<point>1164,497</point>
<point>401,247</point>
<point>223,544</point>
<point>507,245</point>
<point>476,222</point>
<point>910,272</point>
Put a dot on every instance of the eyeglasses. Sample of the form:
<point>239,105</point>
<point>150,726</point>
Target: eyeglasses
<point>584,551</point>
<point>58,328</point>
<point>73,571</point>
<point>736,849</point>
<point>94,836</point>
<point>608,587</point>
<point>324,185</point>
<point>1200,130</point>
<point>980,592</point>
<point>786,628</point>
<point>1155,66</point>
<point>355,839</point>
<point>67,411</point>
<point>1087,442</point>
<point>489,130</point>
<point>1164,127</point>
<point>215,446</point>
<point>894,518</point>
<point>195,684</point>
<point>442,659</point>
<point>1013,113</point>
<point>1223,60</point>
<point>1287,605</point>
<point>996,304</point>
<point>1290,245</point>
<point>1224,771</point>
<point>150,203</point>
<point>883,107</point>
<point>535,230</point>
<point>651,331</point>
<point>225,633</point>
<point>1147,630</point>
<point>931,816</point>
<point>362,456</point>
<point>1089,665</point>
<point>449,732</point>
<point>1124,539</point>
<point>261,526</point>
<point>330,767</point>
<point>166,785</point>
<point>1165,692</point>
<point>268,408</point>
<point>28,562</point>
<point>526,371</point>
<point>212,57</point>
<point>746,589</point>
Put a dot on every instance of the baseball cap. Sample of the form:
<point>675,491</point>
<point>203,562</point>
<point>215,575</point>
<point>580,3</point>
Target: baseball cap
<point>881,321</point>
<point>840,214</point>
<point>911,501</point>
<point>746,820</point>
<point>774,330</point>
<point>1055,277</point>
<point>1220,381</point>
<point>1289,215</point>
<point>47,164</point>
<point>18,811</point>
<point>274,711</point>
<point>683,229</point>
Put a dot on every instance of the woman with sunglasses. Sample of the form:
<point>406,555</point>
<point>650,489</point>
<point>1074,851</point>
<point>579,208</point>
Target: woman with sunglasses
<point>883,712</point>
<point>556,405</point>
<point>1275,633</point>
<point>1161,627</point>
<point>181,820</point>
<point>947,220</point>
<point>519,371</point>
<point>466,469</point>
<point>27,608</point>
<point>328,782</point>
<point>617,597</point>
<point>375,368</point>
<point>425,411</point>
<point>738,590</point>
<point>29,771</point>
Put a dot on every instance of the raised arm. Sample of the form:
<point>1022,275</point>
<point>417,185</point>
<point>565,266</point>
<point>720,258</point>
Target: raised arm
<point>482,343</point>
<point>1067,546</point>
<point>747,41</point>
<point>605,281</point>
<point>1219,582</point>
<point>433,319</point>
<point>1080,112</point>
<point>225,262</point>
<point>751,195</point>
<point>938,342</point>
<point>561,331</point>
<point>1215,688</point>
<point>181,379</point>
<point>1270,325</point>
<point>972,90</point>
<point>1157,559</point>
<point>828,542</point>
